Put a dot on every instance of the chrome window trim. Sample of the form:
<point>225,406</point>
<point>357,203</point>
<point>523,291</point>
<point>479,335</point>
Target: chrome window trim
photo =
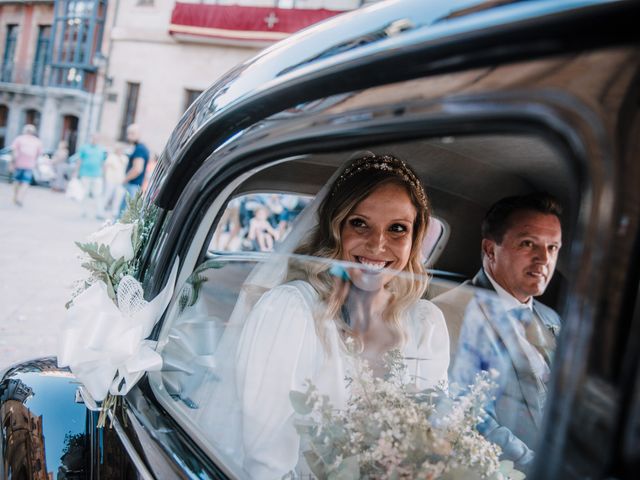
<point>137,462</point>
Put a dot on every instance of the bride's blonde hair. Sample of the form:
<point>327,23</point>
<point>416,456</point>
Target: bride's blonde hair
<point>358,180</point>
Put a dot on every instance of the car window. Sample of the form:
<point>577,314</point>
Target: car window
<point>434,240</point>
<point>257,346</point>
<point>256,222</point>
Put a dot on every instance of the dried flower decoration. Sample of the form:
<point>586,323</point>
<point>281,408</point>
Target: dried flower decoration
<point>383,163</point>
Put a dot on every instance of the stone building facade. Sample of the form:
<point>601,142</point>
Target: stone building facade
<point>160,60</point>
<point>50,55</point>
<point>75,67</point>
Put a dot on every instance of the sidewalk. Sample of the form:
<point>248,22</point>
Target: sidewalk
<point>39,266</point>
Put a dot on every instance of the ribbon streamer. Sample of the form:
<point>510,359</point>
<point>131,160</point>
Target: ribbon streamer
<point>105,346</point>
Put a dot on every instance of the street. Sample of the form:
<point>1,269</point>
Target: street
<point>39,268</point>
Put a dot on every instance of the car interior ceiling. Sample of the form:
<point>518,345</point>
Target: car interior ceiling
<point>463,176</point>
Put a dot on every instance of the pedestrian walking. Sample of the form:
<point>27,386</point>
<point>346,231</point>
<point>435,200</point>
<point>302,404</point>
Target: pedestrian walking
<point>114,172</point>
<point>60,167</point>
<point>91,157</point>
<point>137,165</point>
<point>25,150</point>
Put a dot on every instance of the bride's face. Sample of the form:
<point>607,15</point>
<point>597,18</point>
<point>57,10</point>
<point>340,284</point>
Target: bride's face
<point>378,234</point>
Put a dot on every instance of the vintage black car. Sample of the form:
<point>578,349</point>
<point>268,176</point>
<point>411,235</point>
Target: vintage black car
<point>496,99</point>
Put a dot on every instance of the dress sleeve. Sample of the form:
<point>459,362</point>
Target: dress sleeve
<point>277,352</point>
<point>432,345</point>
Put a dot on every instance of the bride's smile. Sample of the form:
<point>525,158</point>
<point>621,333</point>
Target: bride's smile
<point>378,235</point>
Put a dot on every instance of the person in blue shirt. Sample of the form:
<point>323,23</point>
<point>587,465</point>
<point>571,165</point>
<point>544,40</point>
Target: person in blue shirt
<point>90,159</point>
<point>138,159</point>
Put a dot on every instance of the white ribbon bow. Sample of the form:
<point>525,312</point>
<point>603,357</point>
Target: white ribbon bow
<point>104,345</point>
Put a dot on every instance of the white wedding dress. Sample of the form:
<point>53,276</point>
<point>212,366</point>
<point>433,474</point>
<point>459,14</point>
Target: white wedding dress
<point>270,347</point>
<point>279,350</point>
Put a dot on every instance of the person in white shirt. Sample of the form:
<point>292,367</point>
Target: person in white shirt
<point>495,322</point>
<point>114,169</point>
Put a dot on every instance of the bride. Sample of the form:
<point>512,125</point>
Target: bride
<point>374,216</point>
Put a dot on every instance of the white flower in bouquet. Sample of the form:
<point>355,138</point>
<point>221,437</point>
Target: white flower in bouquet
<point>391,431</point>
<point>119,237</point>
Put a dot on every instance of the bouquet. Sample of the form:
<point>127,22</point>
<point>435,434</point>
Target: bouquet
<point>390,430</point>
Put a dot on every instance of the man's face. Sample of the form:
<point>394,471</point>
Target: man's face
<point>524,262</point>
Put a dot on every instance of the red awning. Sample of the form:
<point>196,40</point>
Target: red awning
<point>241,24</point>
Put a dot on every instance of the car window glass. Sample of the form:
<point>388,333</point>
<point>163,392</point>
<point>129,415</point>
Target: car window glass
<point>434,240</point>
<point>256,222</point>
<point>254,322</point>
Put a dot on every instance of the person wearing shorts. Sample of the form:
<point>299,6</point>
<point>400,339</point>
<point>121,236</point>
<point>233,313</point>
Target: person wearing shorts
<point>25,149</point>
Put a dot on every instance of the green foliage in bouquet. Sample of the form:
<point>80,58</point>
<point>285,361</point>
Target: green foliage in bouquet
<point>136,224</point>
<point>390,430</point>
<point>112,253</point>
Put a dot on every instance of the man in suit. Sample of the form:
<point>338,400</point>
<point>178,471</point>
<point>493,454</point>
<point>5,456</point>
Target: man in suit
<point>495,323</point>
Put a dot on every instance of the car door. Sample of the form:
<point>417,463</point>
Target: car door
<point>562,127</point>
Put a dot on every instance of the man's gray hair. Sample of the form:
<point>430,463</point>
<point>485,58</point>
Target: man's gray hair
<point>29,129</point>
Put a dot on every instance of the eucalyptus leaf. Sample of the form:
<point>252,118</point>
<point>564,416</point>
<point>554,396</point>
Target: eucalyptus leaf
<point>118,273</point>
<point>304,429</point>
<point>136,237</point>
<point>337,432</point>
<point>105,252</point>
<point>116,265</point>
<point>299,402</point>
<point>87,247</point>
<point>315,463</point>
<point>110,289</point>
<point>349,469</point>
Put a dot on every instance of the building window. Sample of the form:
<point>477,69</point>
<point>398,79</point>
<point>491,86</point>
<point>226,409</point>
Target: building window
<point>75,40</point>
<point>32,117</point>
<point>9,53</point>
<point>70,132</point>
<point>190,97</point>
<point>130,106</point>
<point>40,59</point>
<point>4,115</point>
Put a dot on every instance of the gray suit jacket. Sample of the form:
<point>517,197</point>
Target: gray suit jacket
<point>483,337</point>
<point>453,304</point>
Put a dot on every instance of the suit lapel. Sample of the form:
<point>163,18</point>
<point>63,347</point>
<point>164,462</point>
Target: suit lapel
<point>551,323</point>
<point>481,280</point>
<point>502,324</point>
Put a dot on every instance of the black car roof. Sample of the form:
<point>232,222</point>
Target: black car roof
<point>356,50</point>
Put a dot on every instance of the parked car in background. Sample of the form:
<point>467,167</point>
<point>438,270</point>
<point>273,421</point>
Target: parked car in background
<point>5,163</point>
<point>43,174</point>
<point>498,99</point>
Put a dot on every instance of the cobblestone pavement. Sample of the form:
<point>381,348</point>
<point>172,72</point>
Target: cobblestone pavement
<point>38,267</point>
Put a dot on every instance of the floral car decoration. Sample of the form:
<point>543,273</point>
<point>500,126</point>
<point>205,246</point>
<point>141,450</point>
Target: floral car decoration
<point>104,339</point>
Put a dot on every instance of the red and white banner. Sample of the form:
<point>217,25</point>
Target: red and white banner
<point>240,23</point>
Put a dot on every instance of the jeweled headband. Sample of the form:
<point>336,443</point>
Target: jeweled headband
<point>383,163</point>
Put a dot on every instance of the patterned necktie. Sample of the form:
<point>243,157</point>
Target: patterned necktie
<point>537,351</point>
<point>544,343</point>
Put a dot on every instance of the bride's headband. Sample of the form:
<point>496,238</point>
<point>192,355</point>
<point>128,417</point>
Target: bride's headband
<point>384,163</point>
